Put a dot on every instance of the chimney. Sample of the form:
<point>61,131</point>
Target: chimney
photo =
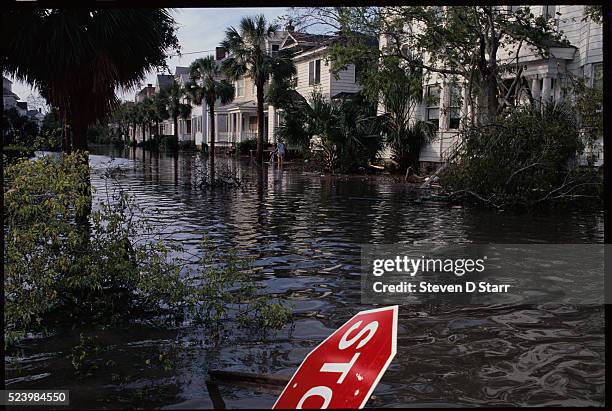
<point>219,53</point>
<point>39,110</point>
<point>290,26</point>
<point>149,85</point>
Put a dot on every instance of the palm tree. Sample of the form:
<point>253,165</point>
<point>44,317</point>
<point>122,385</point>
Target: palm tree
<point>78,57</point>
<point>172,97</point>
<point>121,116</point>
<point>132,116</point>
<point>160,112</point>
<point>150,115</point>
<point>140,114</point>
<point>248,56</point>
<point>401,94</point>
<point>206,86</point>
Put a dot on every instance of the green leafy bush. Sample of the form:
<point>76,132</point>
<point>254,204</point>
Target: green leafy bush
<point>245,147</point>
<point>345,134</point>
<point>168,142</point>
<point>531,157</point>
<point>12,152</point>
<point>187,145</point>
<point>115,269</point>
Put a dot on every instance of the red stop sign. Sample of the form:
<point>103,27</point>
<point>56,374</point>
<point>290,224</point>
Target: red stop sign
<point>344,369</point>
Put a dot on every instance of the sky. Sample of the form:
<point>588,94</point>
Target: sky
<point>198,30</point>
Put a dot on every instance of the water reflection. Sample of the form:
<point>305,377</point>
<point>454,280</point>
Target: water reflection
<point>304,231</point>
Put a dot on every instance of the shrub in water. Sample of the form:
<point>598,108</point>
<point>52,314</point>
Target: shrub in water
<point>531,157</point>
<point>115,269</point>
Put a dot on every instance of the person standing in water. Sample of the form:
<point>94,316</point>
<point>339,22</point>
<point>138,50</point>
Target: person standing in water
<point>280,152</point>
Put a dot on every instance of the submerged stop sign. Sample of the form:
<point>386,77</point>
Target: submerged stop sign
<point>344,369</point>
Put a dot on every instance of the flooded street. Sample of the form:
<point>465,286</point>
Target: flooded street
<point>304,232</point>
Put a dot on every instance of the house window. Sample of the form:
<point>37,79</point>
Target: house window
<point>433,105</point>
<point>188,126</point>
<point>314,72</point>
<point>454,107</point>
<point>239,87</point>
<point>275,49</point>
<point>598,76</point>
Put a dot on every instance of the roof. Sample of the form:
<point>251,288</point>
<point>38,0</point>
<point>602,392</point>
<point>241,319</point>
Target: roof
<point>343,95</point>
<point>181,70</point>
<point>164,80</point>
<point>247,105</point>
<point>304,42</point>
<point>554,43</point>
<point>147,90</point>
<point>8,93</point>
<point>33,113</point>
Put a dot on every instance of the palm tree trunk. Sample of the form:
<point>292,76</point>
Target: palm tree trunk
<point>135,134</point>
<point>175,118</point>
<point>260,122</point>
<point>212,142</point>
<point>156,133</point>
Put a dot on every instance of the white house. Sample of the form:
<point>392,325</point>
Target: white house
<point>9,98</point>
<point>445,103</point>
<point>36,115</point>
<point>237,121</point>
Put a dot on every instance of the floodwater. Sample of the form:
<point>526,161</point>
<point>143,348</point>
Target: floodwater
<point>304,231</point>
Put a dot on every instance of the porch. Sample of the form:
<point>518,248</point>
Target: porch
<point>237,122</point>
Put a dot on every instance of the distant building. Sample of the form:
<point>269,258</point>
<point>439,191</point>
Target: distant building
<point>22,107</point>
<point>147,91</point>
<point>237,121</point>
<point>8,97</point>
<point>37,116</point>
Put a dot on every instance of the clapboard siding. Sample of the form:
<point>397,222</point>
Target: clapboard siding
<point>306,89</point>
<point>345,81</point>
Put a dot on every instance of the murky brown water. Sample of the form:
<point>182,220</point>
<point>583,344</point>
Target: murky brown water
<point>297,226</point>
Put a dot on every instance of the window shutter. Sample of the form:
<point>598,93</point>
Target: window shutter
<point>317,71</point>
<point>311,73</point>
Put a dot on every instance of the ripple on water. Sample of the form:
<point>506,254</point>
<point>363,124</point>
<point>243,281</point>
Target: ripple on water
<point>304,232</point>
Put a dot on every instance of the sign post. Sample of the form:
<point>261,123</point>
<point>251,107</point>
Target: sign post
<point>344,369</point>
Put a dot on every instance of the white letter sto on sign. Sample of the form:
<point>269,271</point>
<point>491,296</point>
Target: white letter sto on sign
<point>341,367</point>
<point>370,329</point>
<point>321,391</point>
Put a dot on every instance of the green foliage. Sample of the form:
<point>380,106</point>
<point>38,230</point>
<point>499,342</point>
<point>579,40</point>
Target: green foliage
<point>50,138</point>
<point>99,134</point>
<point>172,99</point>
<point>245,147</point>
<point>347,131</point>
<point>18,129</point>
<point>229,291</point>
<point>109,48</point>
<point>114,270</point>
<point>295,108</point>
<point>168,142</point>
<point>530,158</point>
<point>248,56</point>
<point>188,145</point>
<point>589,107</point>
<point>461,43</point>
<point>57,270</point>
<point>401,90</point>
<point>594,13</point>
<point>11,152</point>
